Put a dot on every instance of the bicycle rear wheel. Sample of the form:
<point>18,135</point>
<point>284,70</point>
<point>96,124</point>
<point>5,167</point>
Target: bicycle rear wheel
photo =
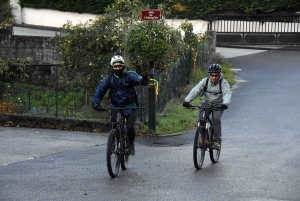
<point>214,154</point>
<point>113,153</point>
<point>199,149</point>
<point>125,156</point>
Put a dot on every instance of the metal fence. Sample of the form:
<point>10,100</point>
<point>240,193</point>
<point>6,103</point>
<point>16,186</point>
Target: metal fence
<point>169,84</point>
<point>255,23</point>
<point>41,92</point>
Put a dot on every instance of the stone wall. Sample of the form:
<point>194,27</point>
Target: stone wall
<point>48,122</point>
<point>41,50</point>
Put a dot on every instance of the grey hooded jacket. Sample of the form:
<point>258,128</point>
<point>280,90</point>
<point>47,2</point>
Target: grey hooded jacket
<point>212,94</point>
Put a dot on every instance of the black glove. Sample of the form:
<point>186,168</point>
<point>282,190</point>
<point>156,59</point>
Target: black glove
<point>186,104</point>
<point>223,107</point>
<point>144,80</point>
<point>98,107</point>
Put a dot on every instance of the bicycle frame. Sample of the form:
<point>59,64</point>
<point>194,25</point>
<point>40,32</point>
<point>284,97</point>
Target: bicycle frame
<point>120,125</point>
<point>209,120</point>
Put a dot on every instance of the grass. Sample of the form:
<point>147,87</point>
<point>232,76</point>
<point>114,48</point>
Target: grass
<point>175,118</point>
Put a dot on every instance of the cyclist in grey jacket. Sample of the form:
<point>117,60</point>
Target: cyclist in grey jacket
<point>215,90</point>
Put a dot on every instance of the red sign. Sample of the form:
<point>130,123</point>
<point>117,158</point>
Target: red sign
<point>150,15</point>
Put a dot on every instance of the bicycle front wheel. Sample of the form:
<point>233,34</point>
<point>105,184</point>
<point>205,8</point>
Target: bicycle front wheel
<point>113,153</point>
<point>214,154</point>
<point>199,149</point>
<point>124,156</point>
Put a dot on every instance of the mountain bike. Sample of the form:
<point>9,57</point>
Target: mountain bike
<point>117,144</point>
<point>201,145</point>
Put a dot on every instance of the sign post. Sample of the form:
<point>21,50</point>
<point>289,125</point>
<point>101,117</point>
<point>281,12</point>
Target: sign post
<point>151,15</point>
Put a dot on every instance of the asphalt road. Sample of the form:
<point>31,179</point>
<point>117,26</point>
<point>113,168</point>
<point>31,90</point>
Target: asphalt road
<point>260,158</point>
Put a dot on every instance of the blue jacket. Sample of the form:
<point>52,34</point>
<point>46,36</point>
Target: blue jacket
<point>121,90</point>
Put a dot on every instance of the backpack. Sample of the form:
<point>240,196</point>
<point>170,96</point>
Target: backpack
<point>205,87</point>
<point>126,82</point>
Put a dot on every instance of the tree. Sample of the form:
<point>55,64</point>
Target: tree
<point>5,16</point>
<point>86,48</point>
<point>5,21</point>
<point>154,41</point>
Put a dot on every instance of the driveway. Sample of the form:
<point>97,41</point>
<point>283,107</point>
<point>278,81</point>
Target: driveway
<point>19,144</point>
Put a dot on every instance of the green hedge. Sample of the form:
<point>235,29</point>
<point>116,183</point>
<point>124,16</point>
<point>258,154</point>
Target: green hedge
<point>192,9</point>
<point>80,6</point>
<point>195,9</point>
<point>4,10</point>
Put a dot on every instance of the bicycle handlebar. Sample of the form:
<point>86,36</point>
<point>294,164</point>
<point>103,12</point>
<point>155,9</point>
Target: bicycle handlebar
<point>212,106</point>
<point>124,108</point>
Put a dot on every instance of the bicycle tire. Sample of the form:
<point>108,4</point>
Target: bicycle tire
<point>113,153</point>
<point>214,154</point>
<point>124,156</point>
<point>199,151</point>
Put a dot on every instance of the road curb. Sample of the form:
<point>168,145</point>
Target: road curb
<point>165,135</point>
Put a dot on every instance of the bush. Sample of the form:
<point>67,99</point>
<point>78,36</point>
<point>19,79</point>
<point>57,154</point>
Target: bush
<point>80,6</point>
<point>192,9</point>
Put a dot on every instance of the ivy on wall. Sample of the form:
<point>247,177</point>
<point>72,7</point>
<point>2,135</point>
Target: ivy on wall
<point>4,10</point>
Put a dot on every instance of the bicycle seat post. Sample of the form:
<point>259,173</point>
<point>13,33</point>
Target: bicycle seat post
<point>119,118</point>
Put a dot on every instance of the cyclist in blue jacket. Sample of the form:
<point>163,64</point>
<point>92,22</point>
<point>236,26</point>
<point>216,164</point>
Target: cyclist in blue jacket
<point>215,89</point>
<point>122,94</point>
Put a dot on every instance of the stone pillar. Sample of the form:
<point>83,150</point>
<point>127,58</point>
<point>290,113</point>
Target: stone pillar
<point>16,11</point>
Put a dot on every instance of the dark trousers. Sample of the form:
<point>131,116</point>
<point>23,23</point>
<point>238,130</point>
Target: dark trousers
<point>130,121</point>
<point>217,122</point>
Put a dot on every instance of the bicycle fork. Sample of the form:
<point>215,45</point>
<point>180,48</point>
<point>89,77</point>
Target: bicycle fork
<point>203,142</point>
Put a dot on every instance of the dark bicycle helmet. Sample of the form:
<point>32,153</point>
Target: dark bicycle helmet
<point>214,68</point>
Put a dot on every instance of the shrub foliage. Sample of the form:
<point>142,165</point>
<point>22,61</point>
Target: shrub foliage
<point>87,48</point>
<point>191,9</point>
<point>80,6</point>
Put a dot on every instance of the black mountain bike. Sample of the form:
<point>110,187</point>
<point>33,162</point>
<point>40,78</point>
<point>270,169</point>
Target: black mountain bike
<point>200,147</point>
<point>117,144</point>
